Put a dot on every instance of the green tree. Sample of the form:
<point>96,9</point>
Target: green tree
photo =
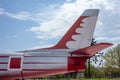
<point>92,71</point>
<point>112,62</point>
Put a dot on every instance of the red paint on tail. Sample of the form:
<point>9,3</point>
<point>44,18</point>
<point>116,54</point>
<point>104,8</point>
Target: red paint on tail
<point>68,36</point>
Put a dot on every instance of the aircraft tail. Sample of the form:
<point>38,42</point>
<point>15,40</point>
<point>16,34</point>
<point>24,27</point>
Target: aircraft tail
<point>81,33</point>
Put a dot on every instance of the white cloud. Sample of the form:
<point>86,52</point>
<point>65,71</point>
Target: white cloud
<point>114,40</point>
<point>99,28</point>
<point>108,5</point>
<point>66,15</point>
<point>20,15</point>
<point>2,11</point>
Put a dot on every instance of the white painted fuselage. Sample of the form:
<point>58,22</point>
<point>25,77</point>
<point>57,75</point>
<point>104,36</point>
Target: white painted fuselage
<point>36,63</point>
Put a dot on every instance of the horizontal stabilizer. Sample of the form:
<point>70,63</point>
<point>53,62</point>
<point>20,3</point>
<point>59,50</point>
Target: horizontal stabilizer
<point>92,50</point>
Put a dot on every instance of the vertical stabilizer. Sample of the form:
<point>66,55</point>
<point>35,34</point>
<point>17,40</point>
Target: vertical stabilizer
<point>81,32</point>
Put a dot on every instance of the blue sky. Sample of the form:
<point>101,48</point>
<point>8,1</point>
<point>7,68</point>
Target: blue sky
<point>28,24</point>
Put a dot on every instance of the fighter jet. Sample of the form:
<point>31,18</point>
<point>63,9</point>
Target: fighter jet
<point>68,55</point>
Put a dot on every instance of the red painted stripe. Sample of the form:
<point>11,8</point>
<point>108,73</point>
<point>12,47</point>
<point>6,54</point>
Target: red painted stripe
<point>3,69</point>
<point>43,69</point>
<point>3,62</point>
<point>44,63</point>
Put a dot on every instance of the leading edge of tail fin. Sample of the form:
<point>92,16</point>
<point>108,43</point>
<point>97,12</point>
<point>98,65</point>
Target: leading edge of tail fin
<point>92,50</point>
<point>81,32</point>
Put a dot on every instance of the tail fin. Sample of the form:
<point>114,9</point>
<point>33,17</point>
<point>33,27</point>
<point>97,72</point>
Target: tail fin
<point>81,32</point>
<point>92,50</point>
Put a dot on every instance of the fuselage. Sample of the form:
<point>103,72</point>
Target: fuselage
<point>39,63</point>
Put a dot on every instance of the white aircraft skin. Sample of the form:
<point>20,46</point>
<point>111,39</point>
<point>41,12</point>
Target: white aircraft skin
<point>68,55</point>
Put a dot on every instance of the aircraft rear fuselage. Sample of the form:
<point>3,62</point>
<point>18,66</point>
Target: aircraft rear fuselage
<point>22,66</point>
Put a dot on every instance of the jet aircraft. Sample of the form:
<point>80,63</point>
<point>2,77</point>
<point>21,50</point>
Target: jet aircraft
<point>68,55</point>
